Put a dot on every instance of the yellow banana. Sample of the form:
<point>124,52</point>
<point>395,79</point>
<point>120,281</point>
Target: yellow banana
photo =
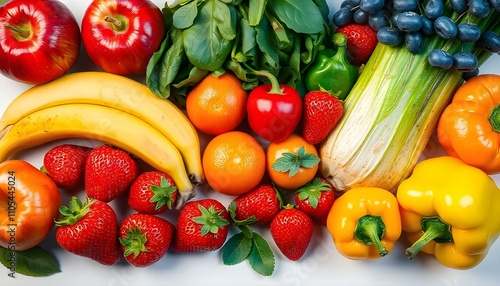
<point>118,92</point>
<point>109,125</point>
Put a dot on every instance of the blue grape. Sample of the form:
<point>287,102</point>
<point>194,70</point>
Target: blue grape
<point>440,59</point>
<point>459,6</point>
<point>409,21</point>
<point>427,26</point>
<point>354,3</point>
<point>445,28</point>
<point>405,5</point>
<point>479,8</point>
<point>378,20</point>
<point>347,4</point>
<point>495,4</point>
<point>360,17</point>
<point>470,74</point>
<point>342,17</point>
<point>390,36</point>
<point>371,6</point>
<point>434,9</point>
<point>414,42</point>
<point>490,41</point>
<point>465,61</point>
<point>467,32</point>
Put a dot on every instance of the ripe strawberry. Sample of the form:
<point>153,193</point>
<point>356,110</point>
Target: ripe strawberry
<point>65,165</point>
<point>259,206</point>
<point>361,41</point>
<point>145,238</point>
<point>152,192</point>
<point>90,230</point>
<point>316,199</point>
<point>109,172</point>
<point>292,230</point>
<point>322,111</point>
<point>202,225</point>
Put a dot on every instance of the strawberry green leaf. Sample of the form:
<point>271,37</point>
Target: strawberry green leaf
<point>246,230</point>
<point>163,194</point>
<point>30,262</point>
<point>236,249</point>
<point>293,162</point>
<point>232,213</point>
<point>261,257</point>
<point>210,220</point>
<point>312,191</point>
<point>134,242</point>
<point>75,211</point>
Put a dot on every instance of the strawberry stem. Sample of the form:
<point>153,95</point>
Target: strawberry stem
<point>75,211</point>
<point>163,194</point>
<point>134,242</point>
<point>210,220</point>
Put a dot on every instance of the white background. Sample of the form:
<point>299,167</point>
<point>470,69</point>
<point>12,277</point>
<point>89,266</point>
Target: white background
<point>321,265</point>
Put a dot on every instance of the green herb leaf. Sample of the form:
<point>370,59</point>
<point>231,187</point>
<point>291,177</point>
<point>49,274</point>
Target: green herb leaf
<point>299,15</point>
<point>225,17</point>
<point>30,262</point>
<point>246,230</point>
<point>266,43</point>
<point>261,257</point>
<point>293,162</point>
<point>236,249</point>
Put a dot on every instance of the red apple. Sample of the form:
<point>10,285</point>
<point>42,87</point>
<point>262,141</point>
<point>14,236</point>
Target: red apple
<point>39,40</point>
<point>120,36</point>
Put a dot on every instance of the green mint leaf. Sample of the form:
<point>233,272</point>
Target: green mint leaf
<point>30,262</point>
<point>261,257</point>
<point>236,249</point>
<point>309,160</point>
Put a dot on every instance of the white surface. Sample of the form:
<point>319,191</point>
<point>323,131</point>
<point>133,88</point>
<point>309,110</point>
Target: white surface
<point>321,265</point>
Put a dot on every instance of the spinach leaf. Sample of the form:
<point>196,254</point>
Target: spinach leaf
<point>184,16</point>
<point>203,43</point>
<point>298,15</point>
<point>225,17</point>
<point>266,44</point>
<point>256,11</point>
<point>154,66</point>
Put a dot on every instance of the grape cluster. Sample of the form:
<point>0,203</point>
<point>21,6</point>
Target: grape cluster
<point>411,21</point>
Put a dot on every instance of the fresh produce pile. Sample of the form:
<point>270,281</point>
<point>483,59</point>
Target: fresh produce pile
<point>301,120</point>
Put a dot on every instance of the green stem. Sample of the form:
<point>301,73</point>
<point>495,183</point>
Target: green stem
<point>275,85</point>
<point>495,118</point>
<point>22,33</point>
<point>116,23</point>
<point>370,230</point>
<point>434,229</point>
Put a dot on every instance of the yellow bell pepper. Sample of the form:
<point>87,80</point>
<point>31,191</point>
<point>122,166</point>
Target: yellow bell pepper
<point>365,223</point>
<point>450,210</point>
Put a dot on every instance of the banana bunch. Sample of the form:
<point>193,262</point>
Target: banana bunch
<point>110,108</point>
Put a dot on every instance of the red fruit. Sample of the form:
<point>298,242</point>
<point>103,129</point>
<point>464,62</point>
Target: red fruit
<point>361,41</point>
<point>316,199</point>
<point>152,192</point>
<point>322,112</point>
<point>259,206</point>
<point>90,230</point>
<point>109,172</point>
<point>145,238</point>
<point>65,165</point>
<point>292,230</point>
<point>202,226</point>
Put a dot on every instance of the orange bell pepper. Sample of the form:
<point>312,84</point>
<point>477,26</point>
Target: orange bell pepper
<point>29,203</point>
<point>365,223</point>
<point>469,127</point>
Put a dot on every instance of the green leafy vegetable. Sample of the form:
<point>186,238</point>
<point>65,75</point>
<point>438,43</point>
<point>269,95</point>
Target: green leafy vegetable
<point>293,162</point>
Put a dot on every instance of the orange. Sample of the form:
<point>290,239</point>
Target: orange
<point>234,163</point>
<point>306,160</point>
<point>217,104</point>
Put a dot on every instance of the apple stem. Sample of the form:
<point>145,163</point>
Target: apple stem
<point>21,32</point>
<point>117,24</point>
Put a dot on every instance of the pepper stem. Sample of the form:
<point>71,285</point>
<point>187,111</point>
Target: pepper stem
<point>370,230</point>
<point>434,229</point>
<point>495,118</point>
<point>275,85</point>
